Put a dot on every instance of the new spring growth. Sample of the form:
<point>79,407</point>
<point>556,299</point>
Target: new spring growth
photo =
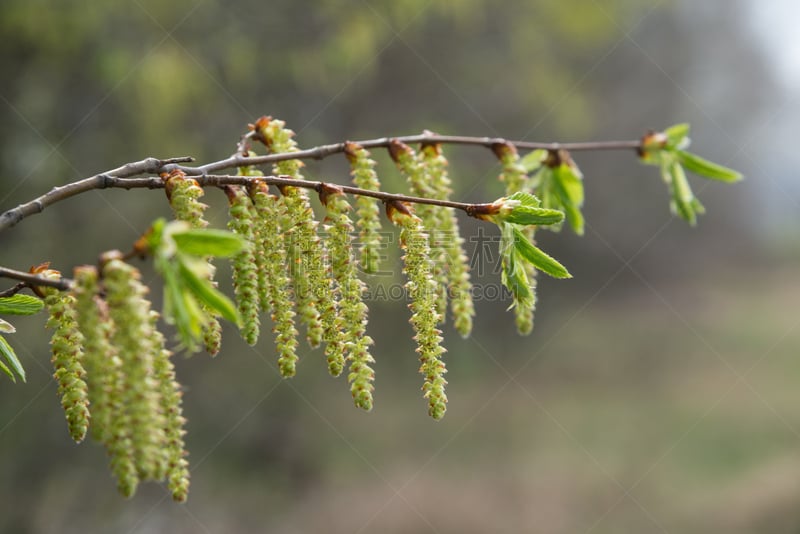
<point>667,150</point>
<point>67,350</point>
<point>352,322</point>
<point>177,468</point>
<point>110,420</point>
<point>362,169</point>
<point>421,287</point>
<point>183,194</point>
<point>423,184</point>
<point>245,274</point>
<point>447,236</point>
<point>306,253</point>
<point>270,211</point>
<point>135,338</point>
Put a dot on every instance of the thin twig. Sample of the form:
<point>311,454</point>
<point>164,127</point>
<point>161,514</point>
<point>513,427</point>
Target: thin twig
<point>113,177</point>
<point>324,151</point>
<point>11,291</point>
<point>31,280</point>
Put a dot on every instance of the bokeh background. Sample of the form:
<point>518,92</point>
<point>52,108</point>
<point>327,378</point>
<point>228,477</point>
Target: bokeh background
<point>660,390</point>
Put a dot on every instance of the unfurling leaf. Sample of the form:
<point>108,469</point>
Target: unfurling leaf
<point>20,305</point>
<point>202,289</point>
<point>11,357</point>
<point>533,255</point>
<point>708,169</point>
<point>6,327</point>
<point>677,136</point>
<point>208,242</point>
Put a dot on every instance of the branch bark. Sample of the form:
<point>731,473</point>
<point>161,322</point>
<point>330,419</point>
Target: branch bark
<point>121,177</point>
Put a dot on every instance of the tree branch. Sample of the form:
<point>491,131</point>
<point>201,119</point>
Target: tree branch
<point>98,181</point>
<point>31,280</point>
<point>323,151</point>
<point>119,177</point>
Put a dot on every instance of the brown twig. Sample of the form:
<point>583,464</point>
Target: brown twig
<point>119,177</point>
<point>30,280</point>
<point>324,151</point>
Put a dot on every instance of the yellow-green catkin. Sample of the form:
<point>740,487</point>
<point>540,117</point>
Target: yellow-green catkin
<point>245,272</point>
<point>457,271</point>
<point>110,420</point>
<point>424,317</point>
<point>67,359</point>
<point>516,178</point>
<point>352,308</point>
<point>263,276</point>
<point>417,174</point>
<point>177,469</point>
<point>100,358</point>
<point>136,340</point>
<point>269,212</point>
<point>362,169</point>
<point>306,253</point>
<point>184,198</point>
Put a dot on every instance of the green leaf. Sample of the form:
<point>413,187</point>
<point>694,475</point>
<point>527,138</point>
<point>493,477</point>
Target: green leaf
<point>684,203</point>
<point>703,167</point>
<point>7,371</point>
<point>526,199</point>
<point>515,279</point>
<point>532,161</point>
<point>179,307</point>
<point>11,358</point>
<point>677,135</point>
<point>525,216</point>
<point>568,185</point>
<point>208,242</point>
<point>20,305</point>
<point>513,275</point>
<point>530,253</point>
<point>202,289</point>
<point>6,327</point>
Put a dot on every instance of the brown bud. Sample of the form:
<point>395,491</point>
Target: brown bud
<point>433,146</point>
<point>326,190</point>
<point>484,212</point>
<point>502,149</point>
<point>396,148</point>
<point>350,149</point>
<point>258,129</point>
<point>395,206</point>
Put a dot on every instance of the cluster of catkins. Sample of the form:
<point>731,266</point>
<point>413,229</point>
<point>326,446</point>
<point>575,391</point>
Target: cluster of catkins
<point>109,355</point>
<point>306,275</point>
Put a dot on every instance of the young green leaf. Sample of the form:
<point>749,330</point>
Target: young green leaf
<point>530,253</point>
<point>6,327</point>
<point>525,215</point>
<point>515,278</point>
<point>202,289</point>
<point>568,186</point>
<point>684,203</point>
<point>7,371</point>
<point>208,242</point>
<point>677,135</point>
<point>526,199</point>
<point>11,357</point>
<point>532,161</point>
<point>20,305</point>
<point>180,308</point>
<point>703,167</point>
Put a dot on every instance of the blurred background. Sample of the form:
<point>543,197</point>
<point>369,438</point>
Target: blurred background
<point>660,390</point>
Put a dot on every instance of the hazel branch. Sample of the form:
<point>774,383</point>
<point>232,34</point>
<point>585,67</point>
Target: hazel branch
<point>118,177</point>
<point>31,280</point>
<point>323,151</point>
